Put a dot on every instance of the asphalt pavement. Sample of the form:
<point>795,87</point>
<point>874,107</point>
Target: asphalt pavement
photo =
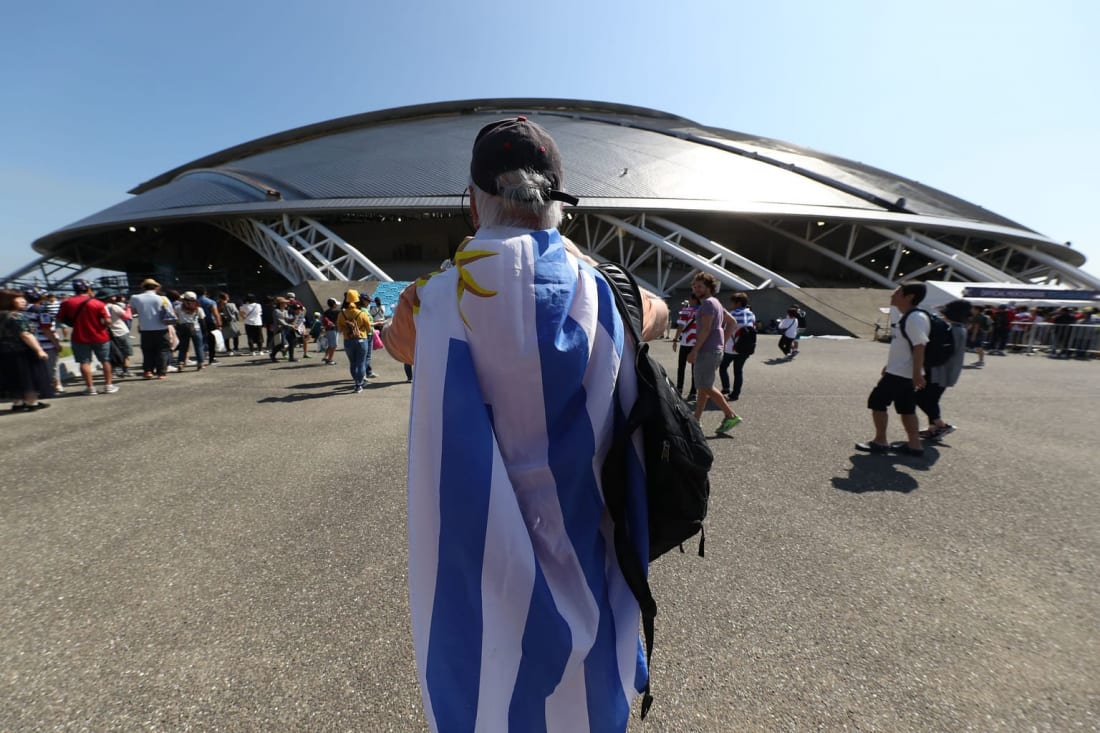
<point>226,550</point>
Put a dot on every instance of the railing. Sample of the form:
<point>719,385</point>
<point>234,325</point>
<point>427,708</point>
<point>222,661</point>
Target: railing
<point>1076,340</point>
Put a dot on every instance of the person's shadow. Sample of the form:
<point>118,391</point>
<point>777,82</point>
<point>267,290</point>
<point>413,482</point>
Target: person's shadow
<point>778,360</point>
<point>880,472</point>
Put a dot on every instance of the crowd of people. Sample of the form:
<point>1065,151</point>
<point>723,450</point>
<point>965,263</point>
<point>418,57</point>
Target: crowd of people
<point>1063,332</point>
<point>176,331</point>
<point>739,329</point>
<point>522,618</point>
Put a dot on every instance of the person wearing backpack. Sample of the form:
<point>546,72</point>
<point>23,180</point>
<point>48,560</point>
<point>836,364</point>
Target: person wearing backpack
<point>740,345</point>
<point>521,615</point>
<point>978,333</point>
<point>903,375</point>
<point>355,325</point>
<point>945,375</point>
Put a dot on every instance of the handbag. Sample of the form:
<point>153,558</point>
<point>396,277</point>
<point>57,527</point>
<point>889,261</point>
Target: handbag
<point>173,338</point>
<point>376,341</point>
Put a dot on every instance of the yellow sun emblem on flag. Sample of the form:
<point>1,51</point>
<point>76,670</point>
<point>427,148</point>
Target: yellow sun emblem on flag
<point>466,282</point>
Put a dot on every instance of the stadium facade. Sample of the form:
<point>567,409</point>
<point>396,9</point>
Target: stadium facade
<point>380,196</point>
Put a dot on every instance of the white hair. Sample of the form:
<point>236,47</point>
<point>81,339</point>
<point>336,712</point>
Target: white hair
<point>521,202</point>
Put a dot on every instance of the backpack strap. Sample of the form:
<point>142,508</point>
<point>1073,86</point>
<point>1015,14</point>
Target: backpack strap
<point>628,301</point>
<point>628,297</point>
<point>901,324</point>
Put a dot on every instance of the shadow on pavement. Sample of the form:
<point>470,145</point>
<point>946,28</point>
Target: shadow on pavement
<point>880,472</point>
<point>346,381</point>
<point>302,396</point>
<point>777,360</point>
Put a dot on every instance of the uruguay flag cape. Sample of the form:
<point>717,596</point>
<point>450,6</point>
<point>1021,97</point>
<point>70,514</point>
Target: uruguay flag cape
<point>521,618</point>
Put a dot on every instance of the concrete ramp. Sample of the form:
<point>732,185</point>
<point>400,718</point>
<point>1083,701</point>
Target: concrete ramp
<point>829,311</point>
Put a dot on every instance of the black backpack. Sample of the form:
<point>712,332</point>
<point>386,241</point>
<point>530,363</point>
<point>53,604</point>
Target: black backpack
<point>745,343</point>
<point>677,462</point>
<point>801,318</point>
<point>941,342</point>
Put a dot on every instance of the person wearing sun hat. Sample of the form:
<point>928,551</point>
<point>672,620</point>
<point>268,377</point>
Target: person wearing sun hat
<point>150,308</point>
<point>957,313</point>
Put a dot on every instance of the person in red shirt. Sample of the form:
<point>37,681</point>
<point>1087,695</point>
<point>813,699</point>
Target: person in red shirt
<point>89,320</point>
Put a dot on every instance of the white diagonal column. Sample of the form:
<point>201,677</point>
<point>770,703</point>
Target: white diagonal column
<point>299,248</point>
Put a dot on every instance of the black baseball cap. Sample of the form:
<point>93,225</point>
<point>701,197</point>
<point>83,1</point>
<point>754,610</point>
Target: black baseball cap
<point>517,144</point>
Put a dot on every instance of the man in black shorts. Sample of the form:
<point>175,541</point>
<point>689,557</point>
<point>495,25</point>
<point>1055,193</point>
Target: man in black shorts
<point>903,374</point>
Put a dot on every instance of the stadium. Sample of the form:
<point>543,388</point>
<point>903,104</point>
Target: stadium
<point>379,197</point>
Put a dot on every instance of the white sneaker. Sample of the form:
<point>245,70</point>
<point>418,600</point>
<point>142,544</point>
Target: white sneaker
<point>110,389</point>
<point>90,391</point>
<point>173,369</point>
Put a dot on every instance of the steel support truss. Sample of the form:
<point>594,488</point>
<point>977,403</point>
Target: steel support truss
<point>882,260</point>
<point>49,272</point>
<point>300,249</point>
<point>1040,267</point>
<point>674,252</point>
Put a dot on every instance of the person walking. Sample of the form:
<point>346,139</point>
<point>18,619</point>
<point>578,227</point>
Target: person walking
<point>742,319</point>
<point>706,355</point>
<point>903,375</point>
<point>980,326</point>
<point>355,324</point>
<point>283,328</point>
<point>939,378</point>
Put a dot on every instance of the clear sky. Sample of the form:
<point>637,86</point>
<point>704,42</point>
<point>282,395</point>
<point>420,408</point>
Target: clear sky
<point>995,102</point>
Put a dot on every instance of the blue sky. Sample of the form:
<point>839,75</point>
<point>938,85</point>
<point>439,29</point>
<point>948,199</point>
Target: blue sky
<point>995,102</point>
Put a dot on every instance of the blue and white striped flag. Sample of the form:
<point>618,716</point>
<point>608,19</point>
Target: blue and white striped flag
<point>521,618</point>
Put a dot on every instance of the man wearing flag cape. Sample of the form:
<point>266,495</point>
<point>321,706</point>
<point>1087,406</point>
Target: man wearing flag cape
<point>521,618</point>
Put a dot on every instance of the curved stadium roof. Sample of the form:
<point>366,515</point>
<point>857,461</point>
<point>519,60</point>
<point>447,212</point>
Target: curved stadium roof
<point>757,210</point>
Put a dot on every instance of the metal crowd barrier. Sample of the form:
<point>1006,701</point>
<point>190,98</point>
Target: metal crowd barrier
<point>1080,340</point>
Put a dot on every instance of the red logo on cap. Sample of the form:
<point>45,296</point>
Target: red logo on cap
<point>521,118</point>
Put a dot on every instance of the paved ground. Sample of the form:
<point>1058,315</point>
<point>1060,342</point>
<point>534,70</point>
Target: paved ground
<point>226,551</point>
